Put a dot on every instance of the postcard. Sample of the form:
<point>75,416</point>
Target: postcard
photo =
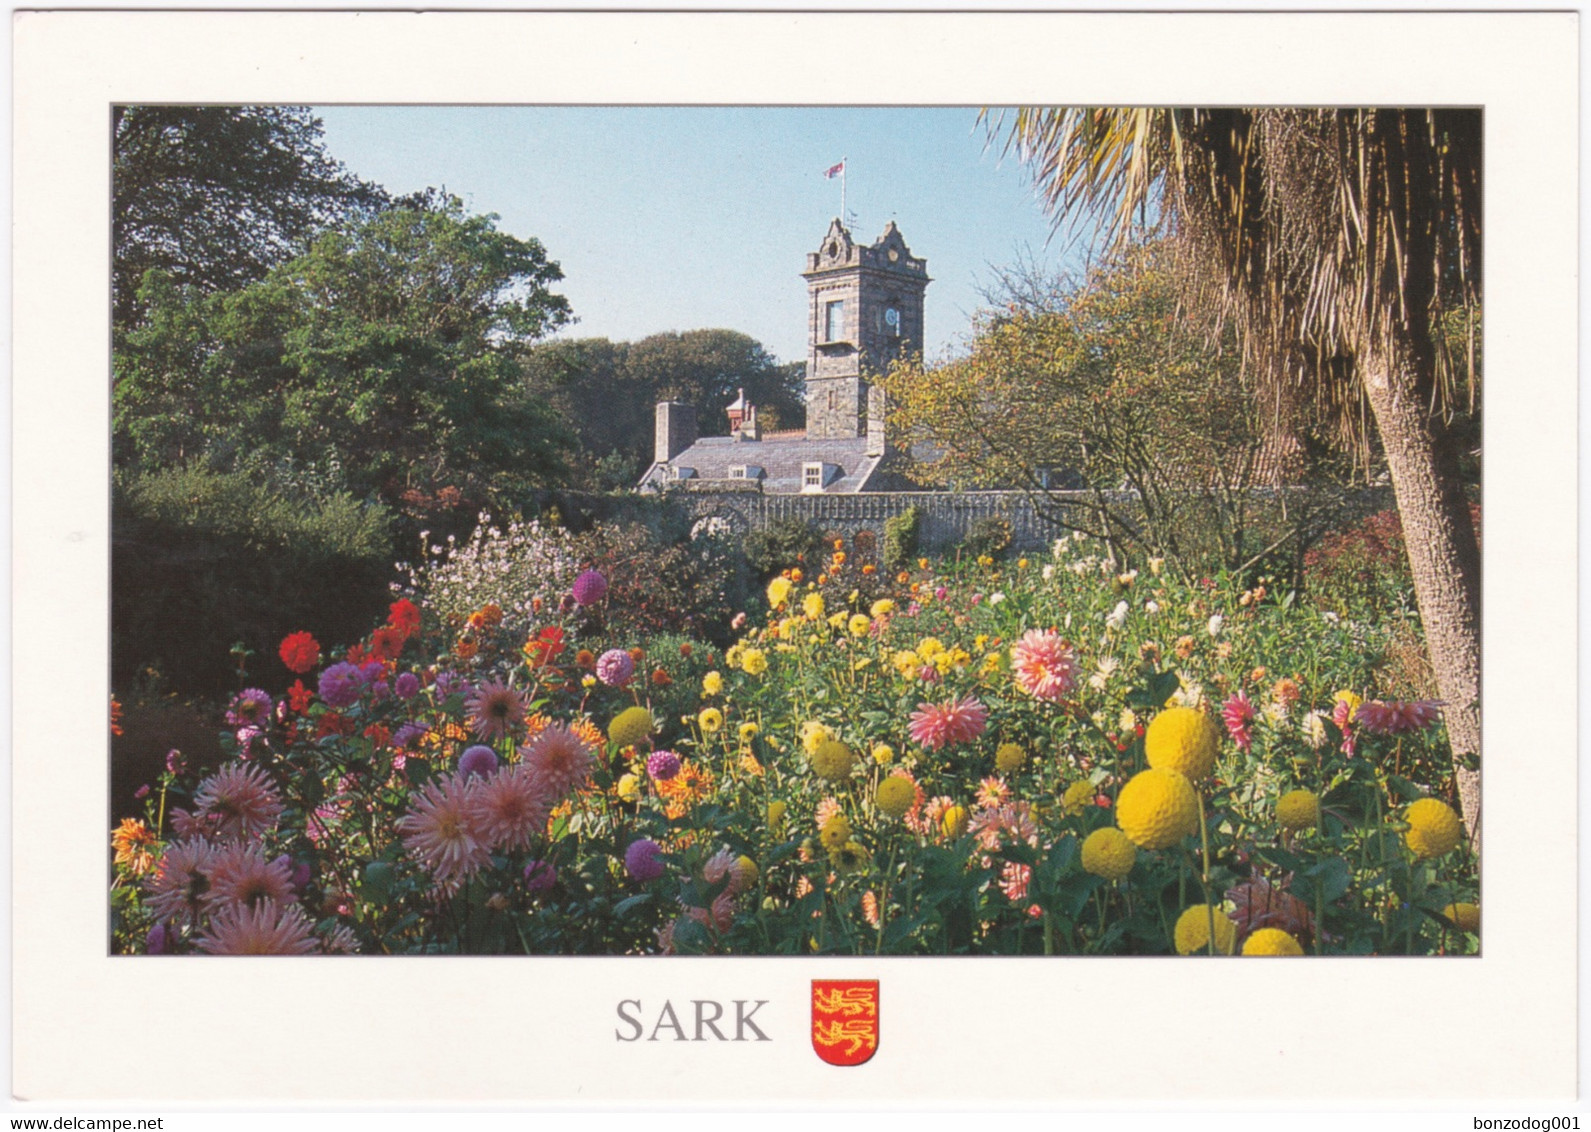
<point>789,559</point>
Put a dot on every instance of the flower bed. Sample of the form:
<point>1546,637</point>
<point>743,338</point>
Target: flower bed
<point>1050,757</point>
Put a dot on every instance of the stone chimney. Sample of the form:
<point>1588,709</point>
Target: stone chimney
<point>676,430</point>
<point>877,407</point>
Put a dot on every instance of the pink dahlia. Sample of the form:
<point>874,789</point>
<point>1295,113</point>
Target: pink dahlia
<point>559,759</point>
<point>1399,716</point>
<point>240,800</point>
<point>615,668</point>
<point>495,710</point>
<point>440,829</point>
<point>240,876</point>
<point>1237,713</point>
<point>180,885</point>
<point>511,808</point>
<point>265,929</point>
<point>956,721</point>
<point>1043,665</point>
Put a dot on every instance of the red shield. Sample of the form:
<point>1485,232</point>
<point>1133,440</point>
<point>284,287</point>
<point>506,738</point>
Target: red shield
<point>845,1020</point>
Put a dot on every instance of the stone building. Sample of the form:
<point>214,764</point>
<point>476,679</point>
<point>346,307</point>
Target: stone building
<point>864,310</point>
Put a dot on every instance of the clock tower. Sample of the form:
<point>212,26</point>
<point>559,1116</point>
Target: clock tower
<point>864,310</point>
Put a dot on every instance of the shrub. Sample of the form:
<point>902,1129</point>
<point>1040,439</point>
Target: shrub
<point>203,560</point>
<point>989,537</point>
<point>692,585</point>
<point>781,544</point>
<point>525,567</point>
<point>901,534</point>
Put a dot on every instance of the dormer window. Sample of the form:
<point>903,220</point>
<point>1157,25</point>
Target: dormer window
<point>745,472</point>
<point>678,473</point>
<point>817,476</point>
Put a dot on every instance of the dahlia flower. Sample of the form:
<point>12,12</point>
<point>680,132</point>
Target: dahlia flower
<point>662,765</point>
<point>590,588</point>
<point>240,876</point>
<point>495,710</point>
<point>341,684</point>
<point>440,829</point>
<point>559,758</point>
<point>510,808</point>
<point>641,859</point>
<point>1392,718</point>
<point>615,668</point>
<point>1043,665</point>
<point>249,708</point>
<point>1237,713</point>
<point>478,761</point>
<point>956,721</point>
<point>241,800</point>
<point>179,888</point>
<point>265,929</point>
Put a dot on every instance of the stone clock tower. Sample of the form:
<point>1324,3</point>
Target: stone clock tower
<point>865,308</point>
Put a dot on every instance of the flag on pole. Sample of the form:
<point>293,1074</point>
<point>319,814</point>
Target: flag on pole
<point>834,171</point>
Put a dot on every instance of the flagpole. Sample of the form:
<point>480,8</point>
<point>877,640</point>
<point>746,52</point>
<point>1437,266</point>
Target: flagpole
<point>843,223</point>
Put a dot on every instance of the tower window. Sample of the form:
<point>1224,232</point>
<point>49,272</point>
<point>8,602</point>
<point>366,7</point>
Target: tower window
<point>832,403</point>
<point>834,320</point>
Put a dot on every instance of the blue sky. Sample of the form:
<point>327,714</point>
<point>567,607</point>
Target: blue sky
<point>674,218</point>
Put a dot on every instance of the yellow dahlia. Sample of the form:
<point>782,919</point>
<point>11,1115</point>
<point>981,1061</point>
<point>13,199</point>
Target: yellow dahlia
<point>712,683</point>
<point>832,760</point>
<point>894,796</point>
<point>754,661</point>
<point>1109,853</point>
<point>1271,941</point>
<point>776,815</point>
<point>1192,933</point>
<point>778,592</point>
<point>1008,759</point>
<point>1078,797</point>
<point>1298,809</point>
<point>834,833</point>
<point>859,624</point>
<point>1182,739</point>
<point>1465,917</point>
<point>883,607</point>
<point>628,788</point>
<point>883,754</point>
<point>710,720</point>
<point>1157,808</point>
<point>814,735</point>
<point>1434,829</point>
<point>630,726</point>
<point>953,822</point>
<point>748,732</point>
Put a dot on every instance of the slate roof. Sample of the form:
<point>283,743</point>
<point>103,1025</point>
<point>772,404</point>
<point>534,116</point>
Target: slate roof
<point>781,459</point>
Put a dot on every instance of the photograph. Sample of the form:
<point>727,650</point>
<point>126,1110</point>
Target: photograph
<point>1125,602</point>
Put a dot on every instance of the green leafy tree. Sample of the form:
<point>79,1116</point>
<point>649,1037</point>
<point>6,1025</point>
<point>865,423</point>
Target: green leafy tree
<point>1102,387</point>
<point>215,196</point>
<point>606,392</point>
<point>1335,240</point>
<point>389,353</point>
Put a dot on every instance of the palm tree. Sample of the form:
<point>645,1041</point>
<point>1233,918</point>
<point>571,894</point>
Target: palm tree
<point>1335,240</point>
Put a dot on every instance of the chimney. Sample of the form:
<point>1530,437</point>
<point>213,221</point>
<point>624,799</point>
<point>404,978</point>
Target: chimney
<point>877,407</point>
<point>676,430</point>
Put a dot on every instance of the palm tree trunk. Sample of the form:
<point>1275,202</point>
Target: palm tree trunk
<point>1444,557</point>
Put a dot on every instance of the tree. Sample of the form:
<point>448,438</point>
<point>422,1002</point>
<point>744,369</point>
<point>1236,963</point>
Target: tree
<point>215,196</point>
<point>1101,386</point>
<point>606,392</point>
<point>389,353</point>
<point>1335,240</point>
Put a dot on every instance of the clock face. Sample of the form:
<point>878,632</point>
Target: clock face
<point>894,254</point>
<point>892,318</point>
